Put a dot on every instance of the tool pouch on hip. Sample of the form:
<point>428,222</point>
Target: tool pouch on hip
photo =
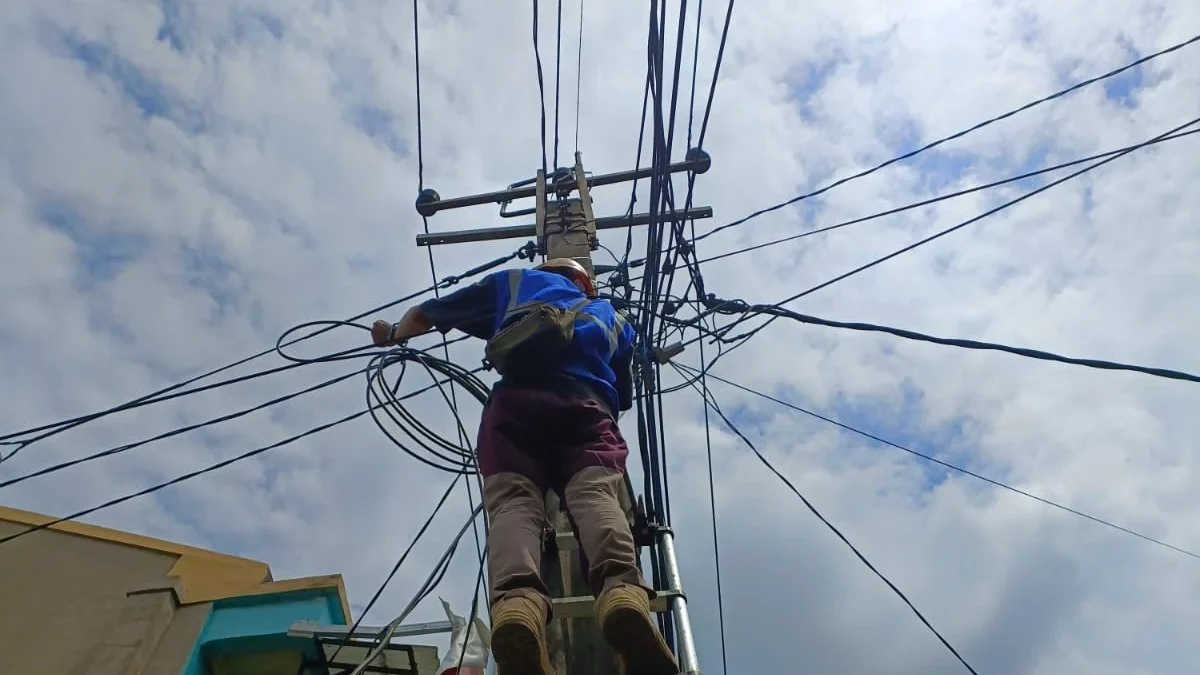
<point>533,342</point>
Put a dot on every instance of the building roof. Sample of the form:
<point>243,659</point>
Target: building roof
<point>204,576</point>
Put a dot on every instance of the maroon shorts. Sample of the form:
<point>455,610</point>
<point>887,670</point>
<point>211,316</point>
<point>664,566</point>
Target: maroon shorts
<point>547,435</point>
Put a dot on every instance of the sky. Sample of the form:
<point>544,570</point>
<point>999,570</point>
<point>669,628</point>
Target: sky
<point>181,182</point>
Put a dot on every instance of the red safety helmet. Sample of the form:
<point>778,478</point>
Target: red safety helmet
<point>570,268</point>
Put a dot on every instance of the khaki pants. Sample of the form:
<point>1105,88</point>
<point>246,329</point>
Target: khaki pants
<point>531,440</point>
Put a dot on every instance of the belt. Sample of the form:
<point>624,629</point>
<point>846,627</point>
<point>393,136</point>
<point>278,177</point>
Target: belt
<point>563,384</point>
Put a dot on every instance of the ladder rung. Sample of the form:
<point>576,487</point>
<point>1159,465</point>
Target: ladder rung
<point>585,605</point>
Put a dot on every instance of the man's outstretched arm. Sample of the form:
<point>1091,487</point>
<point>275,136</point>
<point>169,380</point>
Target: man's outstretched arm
<point>414,322</point>
<point>470,309</point>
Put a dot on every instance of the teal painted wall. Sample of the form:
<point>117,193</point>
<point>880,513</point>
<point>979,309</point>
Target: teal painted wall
<point>261,622</point>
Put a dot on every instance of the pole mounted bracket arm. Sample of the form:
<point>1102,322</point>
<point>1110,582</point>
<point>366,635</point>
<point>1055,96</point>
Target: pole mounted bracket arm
<point>429,202</point>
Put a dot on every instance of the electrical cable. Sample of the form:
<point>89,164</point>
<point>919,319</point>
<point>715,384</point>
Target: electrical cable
<point>537,57</point>
<point>430,582</point>
<point>452,401</point>
<point>578,74</point>
<point>395,568</point>
<point>557,79</point>
<point>936,199</point>
<point>952,467</point>
<point>175,432</point>
<point>961,225</point>
<point>165,393</point>
<point>716,70</point>
<point>712,498</point>
<point>965,344</point>
<point>709,402</point>
<point>213,467</point>
<point>959,134</point>
<point>449,457</point>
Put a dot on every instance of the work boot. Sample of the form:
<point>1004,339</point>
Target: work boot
<point>519,637</point>
<point>624,615</point>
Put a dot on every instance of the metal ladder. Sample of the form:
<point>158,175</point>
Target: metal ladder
<point>671,599</point>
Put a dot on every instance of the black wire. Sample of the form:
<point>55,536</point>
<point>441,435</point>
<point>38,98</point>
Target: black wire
<point>474,607</point>
<point>165,394</point>
<point>972,344</point>
<point>184,477</point>
<point>448,456</point>
<point>537,57</point>
<point>578,74</point>
<point>213,467</point>
<point>175,432</point>
<point>417,70</point>
<point>709,402</point>
<point>944,197</point>
<point>960,134</point>
<point>695,70</point>
<point>952,467</point>
<point>557,79</point>
<point>966,222</point>
<point>712,90</point>
<point>395,568</point>
<point>453,398</point>
<point>430,584</point>
<point>712,496</point>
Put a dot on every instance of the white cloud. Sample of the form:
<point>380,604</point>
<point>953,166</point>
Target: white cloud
<point>268,179</point>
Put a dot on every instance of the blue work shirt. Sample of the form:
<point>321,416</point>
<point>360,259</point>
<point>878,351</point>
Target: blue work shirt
<point>601,352</point>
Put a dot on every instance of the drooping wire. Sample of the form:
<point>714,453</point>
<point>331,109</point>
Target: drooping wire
<point>948,465</point>
<point>395,568</point>
<point>175,432</point>
<point>173,391</point>
<point>942,197</point>
<point>780,312</point>
<point>961,225</point>
<point>381,641</point>
<point>716,70</point>
<point>711,403</point>
<point>712,498</point>
<point>453,400</point>
<point>926,202</point>
<point>244,456</point>
<point>956,135</point>
<point>578,74</point>
<point>187,476</point>
<point>557,78</point>
<point>537,57</point>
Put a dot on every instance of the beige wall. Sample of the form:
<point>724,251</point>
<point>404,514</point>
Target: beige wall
<point>74,605</point>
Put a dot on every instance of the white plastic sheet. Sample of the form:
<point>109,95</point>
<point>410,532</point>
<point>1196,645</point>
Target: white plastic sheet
<point>468,646</point>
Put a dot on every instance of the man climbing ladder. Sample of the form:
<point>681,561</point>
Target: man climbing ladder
<point>565,361</point>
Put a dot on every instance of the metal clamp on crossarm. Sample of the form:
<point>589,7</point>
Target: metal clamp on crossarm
<point>664,354</point>
<point>429,202</point>
<point>714,304</point>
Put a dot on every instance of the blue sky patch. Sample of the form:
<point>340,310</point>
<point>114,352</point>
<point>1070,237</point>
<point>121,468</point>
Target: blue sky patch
<point>149,96</point>
<point>207,270</point>
<point>100,255</point>
<point>810,79</point>
<point>903,424</point>
<point>379,124</point>
<point>1123,89</point>
<point>172,27</point>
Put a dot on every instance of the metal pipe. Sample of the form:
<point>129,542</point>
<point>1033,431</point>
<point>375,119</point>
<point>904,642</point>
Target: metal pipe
<point>316,630</point>
<point>430,203</point>
<point>689,664</point>
<point>514,231</point>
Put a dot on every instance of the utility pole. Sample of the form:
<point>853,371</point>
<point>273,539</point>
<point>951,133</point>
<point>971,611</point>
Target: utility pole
<point>566,227</point>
